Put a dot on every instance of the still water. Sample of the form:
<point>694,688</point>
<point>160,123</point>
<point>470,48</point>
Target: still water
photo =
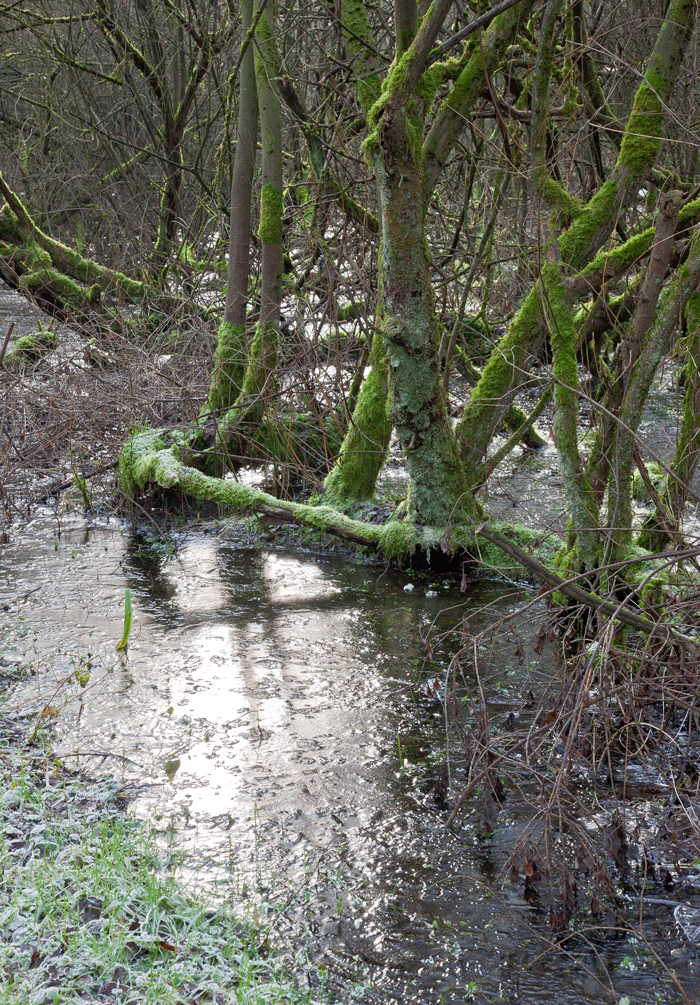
<point>271,716</point>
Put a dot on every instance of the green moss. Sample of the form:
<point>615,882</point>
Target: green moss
<point>658,480</point>
<point>229,367</point>
<point>30,348</point>
<point>63,289</point>
<point>356,23</point>
<point>617,260</point>
<point>398,539</point>
<point>36,258</point>
<point>362,454</point>
<point>135,460</point>
<point>566,207</point>
<point>271,206</point>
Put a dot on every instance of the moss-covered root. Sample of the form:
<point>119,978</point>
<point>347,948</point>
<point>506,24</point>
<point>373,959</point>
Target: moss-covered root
<point>147,458</point>
<point>354,476</point>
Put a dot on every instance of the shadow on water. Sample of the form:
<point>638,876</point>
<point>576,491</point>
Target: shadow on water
<point>271,716</point>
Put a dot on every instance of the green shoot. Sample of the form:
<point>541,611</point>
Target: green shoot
<point>127,620</point>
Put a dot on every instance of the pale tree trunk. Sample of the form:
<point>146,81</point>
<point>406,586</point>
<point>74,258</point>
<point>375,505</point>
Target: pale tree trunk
<point>245,417</point>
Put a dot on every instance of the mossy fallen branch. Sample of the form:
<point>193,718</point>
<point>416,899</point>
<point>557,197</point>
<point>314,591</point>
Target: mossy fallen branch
<point>147,458</point>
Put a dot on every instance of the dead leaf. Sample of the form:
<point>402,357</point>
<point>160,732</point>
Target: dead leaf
<point>510,723</point>
<point>50,712</point>
<point>166,947</point>
<point>489,815</point>
<point>615,840</point>
<point>90,908</point>
<point>540,639</point>
<point>442,785</point>
<point>585,863</point>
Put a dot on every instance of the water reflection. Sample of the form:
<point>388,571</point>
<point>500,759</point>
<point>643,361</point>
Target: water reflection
<point>283,683</point>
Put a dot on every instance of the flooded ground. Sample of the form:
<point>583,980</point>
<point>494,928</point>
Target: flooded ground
<point>271,716</point>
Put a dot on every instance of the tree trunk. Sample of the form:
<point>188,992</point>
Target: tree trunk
<point>521,345</point>
<point>658,342</point>
<point>254,398</point>
<point>439,493</point>
<point>229,365</point>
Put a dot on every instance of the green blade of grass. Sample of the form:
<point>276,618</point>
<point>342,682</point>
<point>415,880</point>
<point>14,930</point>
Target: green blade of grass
<point>127,620</point>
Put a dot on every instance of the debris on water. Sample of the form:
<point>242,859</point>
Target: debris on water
<point>431,593</point>
<point>408,588</point>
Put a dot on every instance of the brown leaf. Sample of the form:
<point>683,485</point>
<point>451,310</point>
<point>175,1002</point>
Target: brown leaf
<point>489,815</point>
<point>612,926</point>
<point>442,785</point>
<point>167,947</point>
<point>520,652</point>
<point>540,639</point>
<point>551,716</point>
<point>510,723</point>
<point>463,582</point>
<point>596,909</point>
<point>615,840</point>
<point>50,712</point>
<point>570,891</point>
<point>90,908</point>
<point>585,863</point>
<point>558,922</point>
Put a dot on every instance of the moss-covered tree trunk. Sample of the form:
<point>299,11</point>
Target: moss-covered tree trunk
<point>241,421</point>
<point>658,342</point>
<point>408,324</point>
<point>592,225</point>
<point>229,364</point>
